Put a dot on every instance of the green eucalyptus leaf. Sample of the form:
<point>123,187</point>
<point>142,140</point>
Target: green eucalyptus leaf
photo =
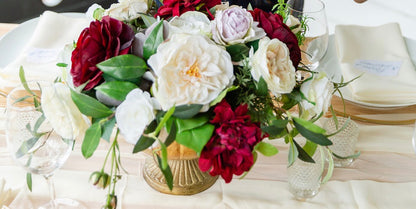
<point>187,111</point>
<point>147,19</point>
<point>330,165</point>
<point>195,138</point>
<point>90,106</point>
<point>355,155</point>
<point>153,41</point>
<point>167,173</point>
<point>222,95</point>
<point>188,124</point>
<point>91,140</point>
<point>107,128</point>
<point>302,155</point>
<point>266,149</point>
<point>151,127</point>
<point>29,181</point>
<point>117,90</point>
<point>310,135</point>
<point>172,134</point>
<point>26,146</point>
<point>277,129</point>
<point>143,143</point>
<point>310,147</point>
<point>124,67</point>
<point>238,51</point>
<point>310,125</point>
<point>262,89</point>
<point>293,153</point>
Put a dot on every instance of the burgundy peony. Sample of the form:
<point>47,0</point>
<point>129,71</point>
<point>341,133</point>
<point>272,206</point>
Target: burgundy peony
<point>173,8</point>
<point>102,40</point>
<point>274,27</point>
<point>229,151</point>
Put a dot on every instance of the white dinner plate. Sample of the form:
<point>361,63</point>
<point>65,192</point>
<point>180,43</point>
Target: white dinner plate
<point>331,66</point>
<point>12,43</point>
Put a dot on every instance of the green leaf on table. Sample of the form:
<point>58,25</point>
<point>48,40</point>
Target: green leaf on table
<point>143,143</point>
<point>124,67</point>
<point>153,41</point>
<point>187,111</point>
<point>302,155</point>
<point>26,146</point>
<point>262,89</point>
<point>91,140</point>
<point>90,106</point>
<point>196,138</point>
<point>266,149</point>
<point>29,181</point>
<point>117,90</point>
<point>167,173</point>
<point>317,138</point>
<point>238,51</point>
<point>107,128</point>
<point>222,95</point>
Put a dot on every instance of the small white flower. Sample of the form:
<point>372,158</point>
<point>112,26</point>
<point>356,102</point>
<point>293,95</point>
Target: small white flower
<point>191,22</point>
<point>127,9</point>
<point>134,114</point>
<point>61,111</point>
<point>235,25</point>
<point>272,62</point>
<point>190,69</point>
<point>318,91</point>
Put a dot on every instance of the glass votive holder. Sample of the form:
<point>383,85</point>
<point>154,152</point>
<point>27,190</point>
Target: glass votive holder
<point>344,141</point>
<point>304,178</point>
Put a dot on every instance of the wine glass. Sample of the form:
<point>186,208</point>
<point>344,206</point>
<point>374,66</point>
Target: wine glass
<point>315,44</point>
<point>31,139</point>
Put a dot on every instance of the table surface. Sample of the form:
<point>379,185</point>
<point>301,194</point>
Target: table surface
<point>384,176</point>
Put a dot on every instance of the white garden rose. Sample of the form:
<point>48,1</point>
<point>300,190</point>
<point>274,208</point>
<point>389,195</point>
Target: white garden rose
<point>134,114</point>
<point>190,69</point>
<point>191,22</point>
<point>318,92</point>
<point>61,111</point>
<point>235,25</point>
<point>127,9</point>
<point>272,62</point>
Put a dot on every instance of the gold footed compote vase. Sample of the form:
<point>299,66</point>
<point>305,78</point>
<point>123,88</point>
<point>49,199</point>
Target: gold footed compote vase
<point>32,140</point>
<point>188,179</point>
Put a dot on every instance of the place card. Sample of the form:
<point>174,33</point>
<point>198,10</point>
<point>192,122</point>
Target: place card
<point>42,55</point>
<point>380,68</point>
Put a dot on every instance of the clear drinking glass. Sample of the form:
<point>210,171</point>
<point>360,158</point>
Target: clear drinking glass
<point>343,142</point>
<point>32,141</point>
<point>316,36</point>
<point>304,178</point>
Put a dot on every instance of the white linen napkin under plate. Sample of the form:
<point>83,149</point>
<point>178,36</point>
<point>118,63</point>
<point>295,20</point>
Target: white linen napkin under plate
<point>380,55</point>
<point>40,55</point>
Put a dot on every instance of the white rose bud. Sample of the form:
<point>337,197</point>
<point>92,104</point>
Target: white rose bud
<point>319,92</point>
<point>272,62</point>
<point>191,22</point>
<point>134,114</point>
<point>61,111</point>
<point>127,9</point>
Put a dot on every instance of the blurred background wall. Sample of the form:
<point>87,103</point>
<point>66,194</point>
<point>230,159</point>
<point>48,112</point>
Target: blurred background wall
<point>17,11</point>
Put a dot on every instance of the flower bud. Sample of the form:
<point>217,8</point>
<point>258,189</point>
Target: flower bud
<point>100,179</point>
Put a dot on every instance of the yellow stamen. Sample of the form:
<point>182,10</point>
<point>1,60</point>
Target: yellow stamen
<point>193,71</point>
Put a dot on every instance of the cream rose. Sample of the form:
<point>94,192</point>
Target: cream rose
<point>61,111</point>
<point>293,23</point>
<point>318,92</point>
<point>191,22</point>
<point>127,9</point>
<point>272,62</point>
<point>235,25</point>
<point>190,69</point>
<point>134,114</point>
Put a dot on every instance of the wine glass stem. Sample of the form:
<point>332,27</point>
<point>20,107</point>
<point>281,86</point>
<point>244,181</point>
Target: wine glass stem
<point>51,186</point>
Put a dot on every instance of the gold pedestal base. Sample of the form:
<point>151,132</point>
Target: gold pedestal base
<point>188,179</point>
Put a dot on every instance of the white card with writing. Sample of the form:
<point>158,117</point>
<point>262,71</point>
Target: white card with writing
<point>40,55</point>
<point>381,68</point>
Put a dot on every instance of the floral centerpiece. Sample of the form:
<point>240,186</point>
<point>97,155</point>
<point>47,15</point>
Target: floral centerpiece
<point>219,79</point>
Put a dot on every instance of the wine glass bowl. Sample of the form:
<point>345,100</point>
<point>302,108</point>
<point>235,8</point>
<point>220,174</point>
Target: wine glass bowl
<point>31,138</point>
<point>315,44</point>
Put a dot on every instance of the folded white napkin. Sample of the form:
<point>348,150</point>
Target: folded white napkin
<point>40,55</point>
<point>380,55</point>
